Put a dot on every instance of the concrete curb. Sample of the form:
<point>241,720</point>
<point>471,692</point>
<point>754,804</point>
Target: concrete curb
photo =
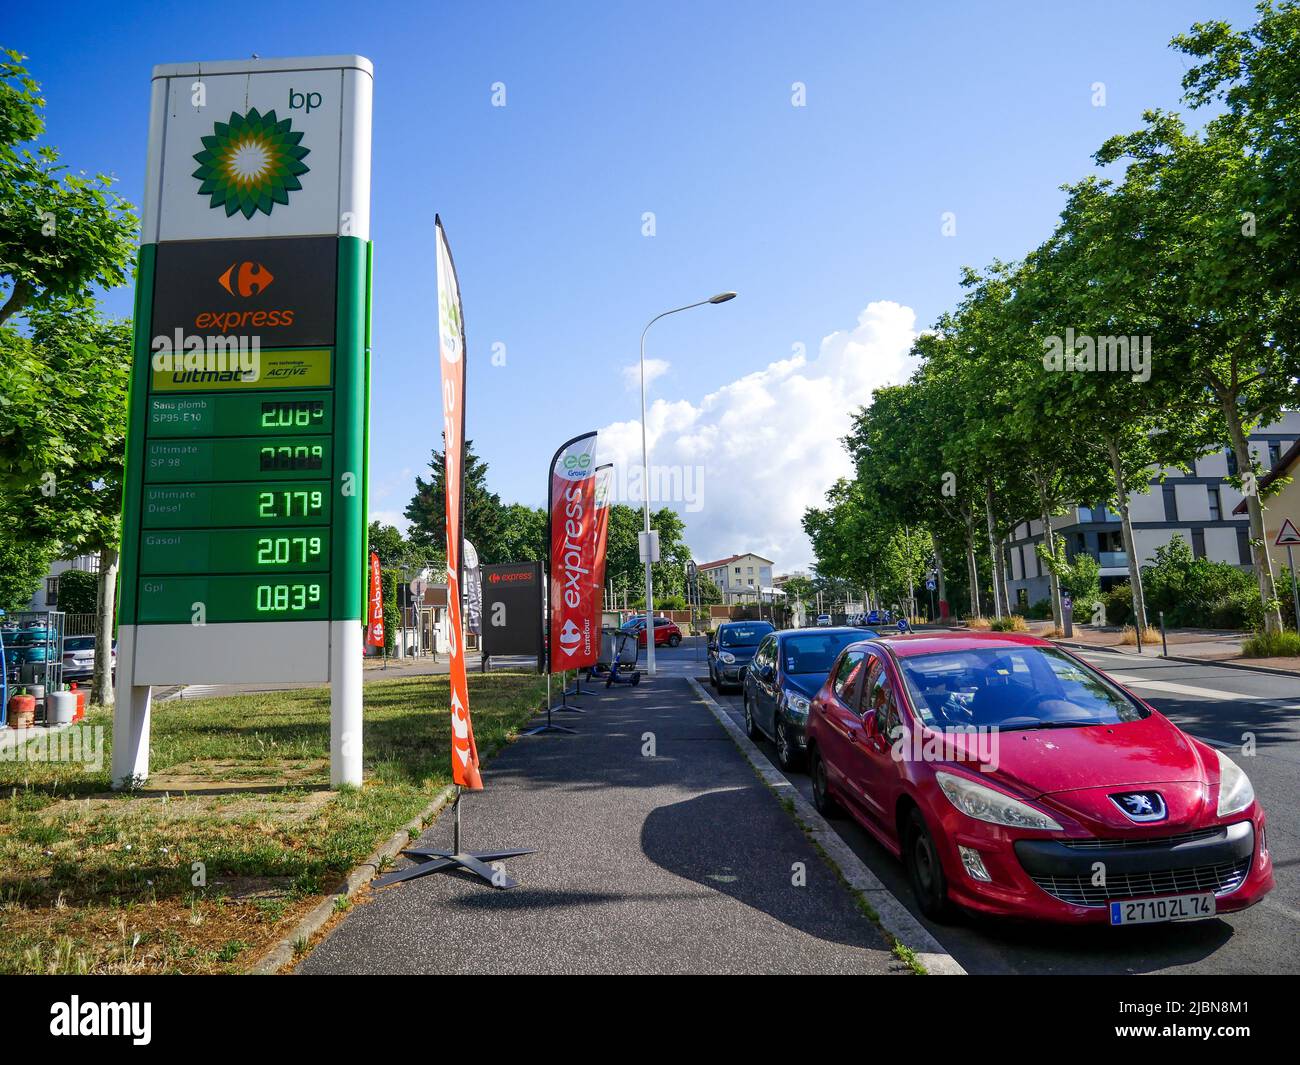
<point>282,953</point>
<point>1180,658</point>
<point>895,918</point>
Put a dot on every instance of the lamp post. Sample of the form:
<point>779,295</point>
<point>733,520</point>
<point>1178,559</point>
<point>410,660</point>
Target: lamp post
<point>721,297</point>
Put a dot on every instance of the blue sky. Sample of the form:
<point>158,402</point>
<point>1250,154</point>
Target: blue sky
<point>825,218</point>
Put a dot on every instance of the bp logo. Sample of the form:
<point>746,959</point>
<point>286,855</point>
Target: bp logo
<point>251,163</point>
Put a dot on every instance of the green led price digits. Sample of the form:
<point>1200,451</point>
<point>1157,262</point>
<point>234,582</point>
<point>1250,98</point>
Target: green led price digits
<point>288,550</point>
<point>287,598</point>
<point>291,503</point>
<point>293,414</point>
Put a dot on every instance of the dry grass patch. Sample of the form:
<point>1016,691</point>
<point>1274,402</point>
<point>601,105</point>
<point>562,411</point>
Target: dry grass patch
<point>235,836</point>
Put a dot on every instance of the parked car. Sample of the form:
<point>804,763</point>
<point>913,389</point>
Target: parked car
<point>823,619</point>
<point>79,657</point>
<point>785,673</point>
<point>731,648</point>
<point>666,632</point>
<point>1006,772</point>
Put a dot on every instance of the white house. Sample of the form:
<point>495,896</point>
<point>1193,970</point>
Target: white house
<point>741,578</point>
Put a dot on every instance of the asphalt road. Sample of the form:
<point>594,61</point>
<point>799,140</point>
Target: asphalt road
<point>1219,705</point>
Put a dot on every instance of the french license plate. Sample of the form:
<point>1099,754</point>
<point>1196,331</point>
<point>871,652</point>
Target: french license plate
<point>1168,908</point>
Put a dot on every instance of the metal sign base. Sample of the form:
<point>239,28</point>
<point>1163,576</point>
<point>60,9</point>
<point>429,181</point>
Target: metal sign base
<point>475,862</point>
<point>549,726</point>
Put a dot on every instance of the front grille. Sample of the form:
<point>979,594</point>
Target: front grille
<point>1149,841</point>
<point>1080,890</point>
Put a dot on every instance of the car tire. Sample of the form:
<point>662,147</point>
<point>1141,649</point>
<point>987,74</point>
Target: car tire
<point>822,798</point>
<point>713,680</point>
<point>787,754</point>
<point>674,640</point>
<point>925,870</point>
<point>751,729</point>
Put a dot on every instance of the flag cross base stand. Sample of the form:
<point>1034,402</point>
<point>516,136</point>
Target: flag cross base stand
<point>435,861</point>
<point>576,691</point>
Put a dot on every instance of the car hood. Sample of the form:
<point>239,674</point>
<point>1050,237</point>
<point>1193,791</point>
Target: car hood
<point>741,654</point>
<point>1042,762</point>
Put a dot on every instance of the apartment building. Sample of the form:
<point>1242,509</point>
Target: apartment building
<point>741,578</point>
<point>47,595</point>
<point>1198,506</point>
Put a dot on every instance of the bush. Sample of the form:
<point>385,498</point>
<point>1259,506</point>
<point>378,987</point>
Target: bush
<point>1118,604</point>
<point>78,591</point>
<point>1011,623</point>
<point>1262,645</point>
<point>1041,610</point>
<point>1197,592</point>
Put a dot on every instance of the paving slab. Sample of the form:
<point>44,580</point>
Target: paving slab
<point>658,851</point>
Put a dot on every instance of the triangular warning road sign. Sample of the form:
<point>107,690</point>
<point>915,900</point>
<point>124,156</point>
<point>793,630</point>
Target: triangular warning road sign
<point>1288,535</point>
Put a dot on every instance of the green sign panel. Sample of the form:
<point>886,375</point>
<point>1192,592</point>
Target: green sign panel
<point>240,459</point>
<point>240,415</point>
<point>284,550</point>
<point>186,506</point>
<point>182,600</point>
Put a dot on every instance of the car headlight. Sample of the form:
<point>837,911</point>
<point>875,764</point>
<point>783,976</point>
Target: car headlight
<point>986,804</point>
<point>796,702</point>
<point>1235,792</point>
<point>727,657</point>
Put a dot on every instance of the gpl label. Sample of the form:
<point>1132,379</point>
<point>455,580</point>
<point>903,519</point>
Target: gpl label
<point>303,101</point>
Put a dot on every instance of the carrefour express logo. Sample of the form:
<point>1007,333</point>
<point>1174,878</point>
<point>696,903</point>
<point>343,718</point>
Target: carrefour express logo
<point>251,163</point>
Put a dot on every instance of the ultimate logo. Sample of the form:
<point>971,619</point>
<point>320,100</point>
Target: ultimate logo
<point>251,163</point>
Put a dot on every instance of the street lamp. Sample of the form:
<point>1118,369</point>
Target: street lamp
<point>721,297</point>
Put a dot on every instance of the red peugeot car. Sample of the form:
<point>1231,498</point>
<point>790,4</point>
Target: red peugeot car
<point>1014,779</point>
<point>666,631</point>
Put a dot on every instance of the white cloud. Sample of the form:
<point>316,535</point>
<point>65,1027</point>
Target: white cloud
<point>769,443</point>
<point>392,517</point>
<point>654,369</point>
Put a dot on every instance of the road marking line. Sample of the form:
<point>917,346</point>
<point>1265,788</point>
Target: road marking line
<point>1183,689</point>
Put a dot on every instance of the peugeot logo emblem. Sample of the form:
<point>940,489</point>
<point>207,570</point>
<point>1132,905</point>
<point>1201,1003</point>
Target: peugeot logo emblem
<point>1141,805</point>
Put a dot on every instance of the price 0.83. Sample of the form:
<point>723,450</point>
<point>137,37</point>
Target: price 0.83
<point>288,598</point>
<point>288,550</point>
<point>291,503</point>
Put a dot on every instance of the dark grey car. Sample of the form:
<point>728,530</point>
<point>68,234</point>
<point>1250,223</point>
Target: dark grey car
<point>784,675</point>
<point>731,648</point>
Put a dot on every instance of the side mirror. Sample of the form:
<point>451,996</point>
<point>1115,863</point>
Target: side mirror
<point>767,672</point>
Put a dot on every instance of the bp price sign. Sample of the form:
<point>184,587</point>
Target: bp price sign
<point>243,555</point>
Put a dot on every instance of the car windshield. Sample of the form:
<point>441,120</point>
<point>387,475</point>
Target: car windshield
<point>743,635</point>
<point>814,652</point>
<point>1013,688</point>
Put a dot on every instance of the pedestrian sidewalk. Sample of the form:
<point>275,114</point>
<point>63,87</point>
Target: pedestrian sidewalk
<point>1203,645</point>
<point>658,851</point>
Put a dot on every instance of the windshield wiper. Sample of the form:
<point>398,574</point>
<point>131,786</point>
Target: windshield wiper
<point>1052,724</point>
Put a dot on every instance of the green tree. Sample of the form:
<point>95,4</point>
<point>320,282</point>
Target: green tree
<point>484,514</point>
<point>61,234</point>
<point>78,591</point>
<point>523,534</point>
<point>62,439</point>
<point>24,562</point>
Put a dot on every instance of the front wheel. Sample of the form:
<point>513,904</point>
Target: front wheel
<point>924,869</point>
<point>751,730</point>
<point>674,640</point>
<point>787,754</point>
<point>822,799</point>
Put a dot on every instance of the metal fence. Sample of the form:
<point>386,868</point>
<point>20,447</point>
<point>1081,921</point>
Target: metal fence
<point>80,624</point>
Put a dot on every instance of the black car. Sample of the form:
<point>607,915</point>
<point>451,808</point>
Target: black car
<point>731,648</point>
<point>788,669</point>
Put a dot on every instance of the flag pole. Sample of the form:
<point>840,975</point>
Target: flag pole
<point>483,864</point>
